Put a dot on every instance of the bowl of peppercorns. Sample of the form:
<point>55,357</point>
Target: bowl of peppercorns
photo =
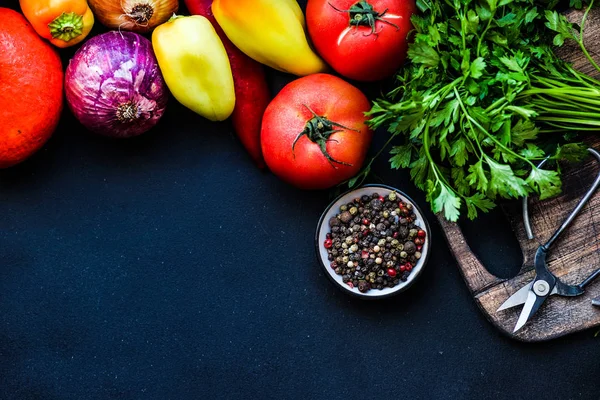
<point>373,241</point>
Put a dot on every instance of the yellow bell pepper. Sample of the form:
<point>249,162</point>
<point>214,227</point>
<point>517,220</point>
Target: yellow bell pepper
<point>195,66</point>
<point>273,32</point>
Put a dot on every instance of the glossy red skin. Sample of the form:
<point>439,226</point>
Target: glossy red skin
<point>31,89</point>
<point>252,94</point>
<point>360,55</point>
<point>286,116</point>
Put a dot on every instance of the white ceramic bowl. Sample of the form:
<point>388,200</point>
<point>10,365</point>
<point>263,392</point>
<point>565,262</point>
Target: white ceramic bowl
<point>323,228</point>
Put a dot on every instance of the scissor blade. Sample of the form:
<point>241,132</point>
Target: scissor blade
<point>526,312</point>
<point>531,306</point>
<point>518,298</point>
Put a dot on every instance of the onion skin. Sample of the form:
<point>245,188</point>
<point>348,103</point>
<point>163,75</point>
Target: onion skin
<point>140,16</point>
<point>114,86</point>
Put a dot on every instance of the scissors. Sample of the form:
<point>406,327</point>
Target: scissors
<point>545,283</point>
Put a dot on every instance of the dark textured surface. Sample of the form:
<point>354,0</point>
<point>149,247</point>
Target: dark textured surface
<point>168,267</point>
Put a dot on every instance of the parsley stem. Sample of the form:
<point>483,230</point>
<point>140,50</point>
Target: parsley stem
<point>561,128</point>
<point>561,93</point>
<point>539,100</point>
<point>574,121</point>
<point>562,111</point>
<point>489,135</point>
<point>482,36</point>
<point>496,104</point>
<point>580,41</point>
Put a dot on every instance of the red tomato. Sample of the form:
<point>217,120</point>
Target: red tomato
<point>361,40</point>
<point>314,134</point>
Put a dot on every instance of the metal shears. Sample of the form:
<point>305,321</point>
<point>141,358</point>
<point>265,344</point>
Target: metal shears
<point>546,284</point>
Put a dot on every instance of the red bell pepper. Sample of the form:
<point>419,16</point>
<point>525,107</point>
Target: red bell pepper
<point>251,89</point>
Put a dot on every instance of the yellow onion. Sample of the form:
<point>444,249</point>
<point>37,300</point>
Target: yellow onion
<point>133,15</point>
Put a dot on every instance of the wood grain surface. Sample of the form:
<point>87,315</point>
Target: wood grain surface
<point>573,257</point>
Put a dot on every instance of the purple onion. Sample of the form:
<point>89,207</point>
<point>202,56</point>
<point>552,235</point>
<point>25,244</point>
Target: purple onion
<point>114,86</point>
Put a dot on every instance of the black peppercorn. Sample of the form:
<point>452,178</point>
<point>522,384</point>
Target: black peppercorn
<point>403,232</point>
<point>345,217</point>
<point>364,286</point>
<point>376,204</point>
<point>410,247</point>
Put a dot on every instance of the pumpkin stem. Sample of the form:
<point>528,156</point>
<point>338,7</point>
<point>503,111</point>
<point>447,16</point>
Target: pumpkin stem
<point>318,130</point>
<point>66,26</point>
<point>363,14</point>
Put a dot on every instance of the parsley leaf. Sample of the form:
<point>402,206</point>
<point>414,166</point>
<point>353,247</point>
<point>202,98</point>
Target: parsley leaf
<point>402,156</point>
<point>477,67</point>
<point>546,182</point>
<point>503,180</point>
<point>478,102</point>
<point>422,53</point>
<point>446,201</point>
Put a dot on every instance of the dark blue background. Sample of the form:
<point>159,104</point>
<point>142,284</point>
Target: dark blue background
<point>168,267</point>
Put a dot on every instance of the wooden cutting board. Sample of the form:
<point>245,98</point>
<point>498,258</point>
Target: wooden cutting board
<point>572,258</point>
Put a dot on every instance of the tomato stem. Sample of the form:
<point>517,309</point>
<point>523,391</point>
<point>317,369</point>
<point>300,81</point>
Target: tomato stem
<point>318,130</point>
<point>363,14</point>
<point>66,26</point>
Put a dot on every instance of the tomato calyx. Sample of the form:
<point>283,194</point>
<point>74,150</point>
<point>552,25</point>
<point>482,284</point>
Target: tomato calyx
<point>363,14</point>
<point>318,130</point>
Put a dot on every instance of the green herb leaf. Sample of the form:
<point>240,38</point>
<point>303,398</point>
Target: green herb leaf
<point>545,182</point>
<point>477,176</point>
<point>511,63</point>
<point>423,53</point>
<point>559,23</point>
<point>571,152</point>
<point>503,181</point>
<point>448,202</point>
<point>483,82</point>
<point>478,201</point>
<point>524,131</point>
<point>477,67</point>
<point>532,152</point>
<point>402,156</point>
<point>458,152</point>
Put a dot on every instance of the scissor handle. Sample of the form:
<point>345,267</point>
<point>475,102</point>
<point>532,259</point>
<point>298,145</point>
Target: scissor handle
<point>589,279</point>
<point>579,206</point>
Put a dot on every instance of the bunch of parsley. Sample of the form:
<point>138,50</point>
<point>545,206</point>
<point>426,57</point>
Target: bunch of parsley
<point>482,86</point>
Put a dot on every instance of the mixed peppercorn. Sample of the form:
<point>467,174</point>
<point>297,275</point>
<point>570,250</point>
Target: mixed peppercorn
<point>373,242</point>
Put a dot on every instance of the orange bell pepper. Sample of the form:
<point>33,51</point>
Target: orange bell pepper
<point>63,22</point>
